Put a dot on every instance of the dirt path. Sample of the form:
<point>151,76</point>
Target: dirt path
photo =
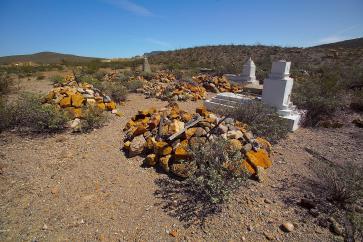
<point>82,188</point>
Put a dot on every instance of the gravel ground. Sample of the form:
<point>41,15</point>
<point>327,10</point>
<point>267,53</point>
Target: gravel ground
<point>72,187</point>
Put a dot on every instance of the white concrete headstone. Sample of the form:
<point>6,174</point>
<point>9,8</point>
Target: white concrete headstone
<point>249,72</point>
<point>277,90</point>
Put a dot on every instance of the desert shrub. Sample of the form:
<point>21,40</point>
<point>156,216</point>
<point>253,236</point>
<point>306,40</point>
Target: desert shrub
<point>147,75</point>
<point>216,176</point>
<point>319,96</point>
<point>133,85</point>
<point>6,115</point>
<point>93,118</point>
<point>99,74</point>
<point>29,114</point>
<point>341,185</point>
<point>5,84</point>
<point>91,80</point>
<point>218,172</point>
<point>357,100</point>
<point>57,80</point>
<point>116,91</point>
<point>262,120</point>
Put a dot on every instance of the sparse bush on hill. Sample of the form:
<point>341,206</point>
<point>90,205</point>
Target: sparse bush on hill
<point>5,83</point>
<point>262,120</point>
<point>91,80</point>
<point>357,100</point>
<point>29,114</point>
<point>320,96</point>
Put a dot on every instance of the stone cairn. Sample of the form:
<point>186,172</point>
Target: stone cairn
<point>165,138</point>
<point>78,97</point>
<point>216,84</point>
<point>164,86</point>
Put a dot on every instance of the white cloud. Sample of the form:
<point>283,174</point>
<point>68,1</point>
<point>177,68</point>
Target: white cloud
<point>130,7</point>
<point>339,35</point>
<point>158,42</point>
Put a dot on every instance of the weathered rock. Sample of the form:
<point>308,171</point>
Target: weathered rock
<point>164,163</point>
<point>183,170</point>
<point>287,227</point>
<point>200,132</point>
<point>137,146</point>
<point>151,160</point>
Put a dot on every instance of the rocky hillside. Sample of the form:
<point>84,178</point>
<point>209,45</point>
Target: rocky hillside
<point>230,58</point>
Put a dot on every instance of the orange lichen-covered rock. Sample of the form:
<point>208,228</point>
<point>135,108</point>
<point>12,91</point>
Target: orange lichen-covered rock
<point>167,150</point>
<point>76,112</point>
<point>151,160</point>
<point>248,167</point>
<point>77,100</point>
<point>159,147</point>
<point>129,124</point>
<point>164,162</point>
<point>202,111</point>
<point>140,129</point>
<point>101,106</point>
<point>264,144</point>
<point>110,106</point>
<point>181,153</point>
<point>190,132</point>
<point>150,143</point>
<point>65,102</point>
<point>49,96</point>
<point>127,145</point>
<point>259,158</point>
<point>186,117</point>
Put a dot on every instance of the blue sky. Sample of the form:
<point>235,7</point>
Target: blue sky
<point>124,28</point>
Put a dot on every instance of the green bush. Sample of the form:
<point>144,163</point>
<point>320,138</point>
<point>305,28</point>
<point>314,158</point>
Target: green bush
<point>133,85</point>
<point>5,84</point>
<point>29,114</point>
<point>218,172</point>
<point>319,96</point>
<point>93,118</point>
<point>6,115</point>
<point>262,120</point>
<point>116,91</point>
<point>91,80</point>
<point>57,80</point>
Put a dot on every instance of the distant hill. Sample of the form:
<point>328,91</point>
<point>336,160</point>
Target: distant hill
<point>352,43</point>
<point>153,53</point>
<point>45,58</point>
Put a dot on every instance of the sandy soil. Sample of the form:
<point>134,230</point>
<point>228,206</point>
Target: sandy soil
<point>71,187</point>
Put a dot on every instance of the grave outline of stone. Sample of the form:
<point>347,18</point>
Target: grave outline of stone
<point>276,93</point>
<point>146,66</point>
<point>277,88</point>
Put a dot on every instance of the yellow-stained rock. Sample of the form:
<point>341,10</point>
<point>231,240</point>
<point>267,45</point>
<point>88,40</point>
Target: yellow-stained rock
<point>101,106</point>
<point>186,117</point>
<point>140,129</point>
<point>77,100</point>
<point>159,147</point>
<point>164,162</point>
<point>259,158</point>
<point>127,145</point>
<point>91,101</point>
<point>77,112</point>
<point>190,132</point>
<point>110,106</point>
<point>264,144</point>
<point>167,150</point>
<point>151,160</point>
<point>150,143</point>
<point>202,111</point>
<point>154,121</point>
<point>65,102</point>
<point>49,96</point>
<point>129,124</point>
<point>181,153</point>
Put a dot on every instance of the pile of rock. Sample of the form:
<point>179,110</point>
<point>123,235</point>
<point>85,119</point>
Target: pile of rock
<point>166,137</point>
<point>175,91</point>
<point>216,84</point>
<point>77,97</point>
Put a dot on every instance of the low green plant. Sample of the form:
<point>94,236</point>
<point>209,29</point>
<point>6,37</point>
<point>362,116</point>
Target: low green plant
<point>357,101</point>
<point>29,114</point>
<point>57,80</point>
<point>91,80</point>
<point>5,84</point>
<point>320,96</point>
<point>116,91</point>
<point>261,119</point>
<point>218,172</point>
<point>133,85</point>
<point>93,118</point>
